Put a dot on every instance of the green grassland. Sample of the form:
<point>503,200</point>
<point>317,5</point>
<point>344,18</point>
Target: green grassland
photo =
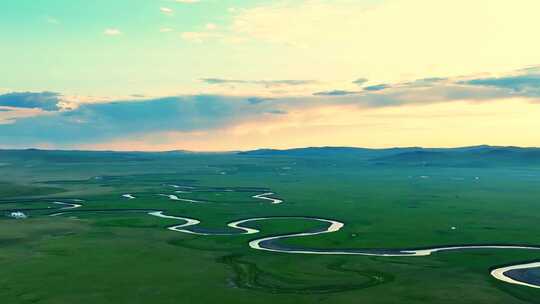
<point>130,257</point>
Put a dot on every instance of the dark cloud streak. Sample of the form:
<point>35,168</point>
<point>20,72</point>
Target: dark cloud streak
<point>528,84</point>
<point>47,101</point>
<point>360,81</point>
<point>377,87</point>
<point>336,93</point>
<point>105,121</point>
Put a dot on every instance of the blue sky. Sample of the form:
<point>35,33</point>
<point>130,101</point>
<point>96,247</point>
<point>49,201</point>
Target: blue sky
<point>60,39</point>
<point>239,74</point>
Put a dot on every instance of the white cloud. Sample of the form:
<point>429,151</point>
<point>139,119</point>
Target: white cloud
<point>187,1</point>
<point>165,30</point>
<point>166,10</point>
<point>112,32</point>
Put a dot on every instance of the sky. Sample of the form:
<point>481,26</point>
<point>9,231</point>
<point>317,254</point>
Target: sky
<point>221,75</point>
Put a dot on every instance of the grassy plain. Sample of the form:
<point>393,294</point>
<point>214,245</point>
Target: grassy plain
<point>129,257</point>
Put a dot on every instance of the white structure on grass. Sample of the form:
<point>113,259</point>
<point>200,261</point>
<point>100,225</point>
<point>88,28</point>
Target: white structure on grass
<point>18,215</point>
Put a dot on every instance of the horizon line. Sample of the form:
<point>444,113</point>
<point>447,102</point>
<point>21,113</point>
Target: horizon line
<point>266,148</point>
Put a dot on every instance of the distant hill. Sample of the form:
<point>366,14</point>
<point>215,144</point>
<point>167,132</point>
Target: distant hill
<point>408,156</point>
<point>329,152</point>
<point>70,156</point>
<point>465,157</point>
<point>86,156</point>
<point>77,156</point>
<point>462,156</point>
<point>311,151</point>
